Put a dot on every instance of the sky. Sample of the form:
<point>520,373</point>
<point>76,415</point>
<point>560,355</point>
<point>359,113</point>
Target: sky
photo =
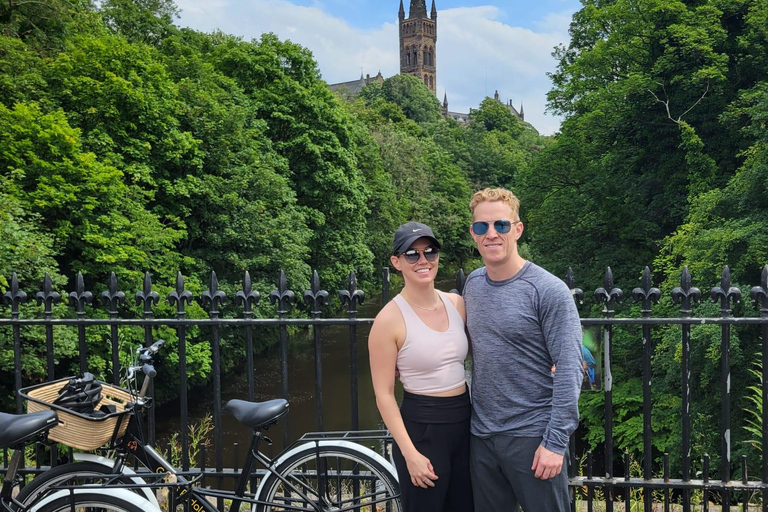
<point>482,47</point>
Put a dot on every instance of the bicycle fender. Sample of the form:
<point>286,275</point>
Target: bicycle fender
<point>310,446</point>
<point>109,464</point>
<point>124,494</point>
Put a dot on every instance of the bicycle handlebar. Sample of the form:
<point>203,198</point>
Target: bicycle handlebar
<point>145,355</point>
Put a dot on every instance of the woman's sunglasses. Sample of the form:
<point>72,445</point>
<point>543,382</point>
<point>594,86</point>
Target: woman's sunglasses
<point>413,255</point>
<point>501,226</point>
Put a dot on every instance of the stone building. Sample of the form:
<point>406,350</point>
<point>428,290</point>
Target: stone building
<point>418,57</point>
<point>418,42</point>
<point>353,87</point>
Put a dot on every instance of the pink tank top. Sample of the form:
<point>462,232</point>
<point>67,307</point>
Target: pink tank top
<point>431,361</point>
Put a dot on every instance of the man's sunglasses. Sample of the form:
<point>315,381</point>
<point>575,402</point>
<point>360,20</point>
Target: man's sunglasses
<point>501,226</point>
<point>413,255</point>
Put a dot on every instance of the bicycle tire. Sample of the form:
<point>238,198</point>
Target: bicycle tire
<point>378,490</point>
<point>96,500</point>
<point>72,473</point>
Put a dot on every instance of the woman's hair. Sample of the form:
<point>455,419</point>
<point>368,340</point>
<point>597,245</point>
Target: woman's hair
<point>496,194</point>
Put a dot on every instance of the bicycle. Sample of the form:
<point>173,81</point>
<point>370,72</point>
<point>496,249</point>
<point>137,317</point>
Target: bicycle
<point>321,472</point>
<point>19,430</point>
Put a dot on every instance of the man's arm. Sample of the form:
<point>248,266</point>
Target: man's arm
<point>561,328</point>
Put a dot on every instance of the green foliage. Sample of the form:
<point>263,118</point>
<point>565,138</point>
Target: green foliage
<point>726,226</point>
<point>309,128</point>
<point>645,87</point>
<point>409,93</point>
<point>20,77</point>
<point>755,412</point>
<point>141,21</point>
<point>41,25</point>
<point>199,437</point>
<point>495,116</point>
<point>94,220</point>
<point>25,250</point>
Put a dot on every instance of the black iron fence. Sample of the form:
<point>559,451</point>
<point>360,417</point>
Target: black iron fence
<point>615,487</point>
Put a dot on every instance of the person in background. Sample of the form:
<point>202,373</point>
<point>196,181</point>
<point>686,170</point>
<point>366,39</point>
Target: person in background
<point>420,334</point>
<point>522,320</point>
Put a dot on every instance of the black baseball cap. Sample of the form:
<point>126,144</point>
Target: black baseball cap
<point>409,233</point>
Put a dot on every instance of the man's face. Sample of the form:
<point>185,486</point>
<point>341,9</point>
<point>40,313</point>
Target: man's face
<point>494,247</point>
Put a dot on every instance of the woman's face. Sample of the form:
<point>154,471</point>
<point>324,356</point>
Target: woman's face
<point>423,270</point>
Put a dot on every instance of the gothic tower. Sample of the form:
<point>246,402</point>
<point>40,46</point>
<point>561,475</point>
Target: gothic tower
<point>418,42</point>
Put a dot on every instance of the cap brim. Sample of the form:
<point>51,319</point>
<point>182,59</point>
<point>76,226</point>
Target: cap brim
<point>405,244</point>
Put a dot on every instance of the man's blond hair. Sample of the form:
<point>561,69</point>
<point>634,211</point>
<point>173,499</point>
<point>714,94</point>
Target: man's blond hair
<point>496,194</point>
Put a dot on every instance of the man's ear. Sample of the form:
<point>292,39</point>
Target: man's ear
<point>519,230</point>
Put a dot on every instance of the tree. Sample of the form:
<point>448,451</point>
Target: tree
<point>309,128</point>
<point>26,249</point>
<point>642,84</point>
<point>417,102</point>
<point>726,226</point>
<point>141,21</point>
<point>97,223</point>
<point>495,116</point>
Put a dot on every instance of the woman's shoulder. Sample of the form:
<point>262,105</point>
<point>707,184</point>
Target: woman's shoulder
<point>456,299</point>
<point>388,324</point>
<point>389,313</point>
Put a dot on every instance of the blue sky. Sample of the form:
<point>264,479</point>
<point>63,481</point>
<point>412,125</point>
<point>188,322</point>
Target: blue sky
<point>482,47</point>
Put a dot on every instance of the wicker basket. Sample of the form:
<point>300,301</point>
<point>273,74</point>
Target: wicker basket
<point>76,429</point>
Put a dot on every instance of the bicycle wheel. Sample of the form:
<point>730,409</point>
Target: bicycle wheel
<point>76,473</point>
<point>103,500</point>
<point>333,478</point>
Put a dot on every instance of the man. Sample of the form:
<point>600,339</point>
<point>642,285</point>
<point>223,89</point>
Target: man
<point>522,320</point>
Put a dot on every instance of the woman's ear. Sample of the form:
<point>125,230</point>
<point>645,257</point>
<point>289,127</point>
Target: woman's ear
<point>395,261</point>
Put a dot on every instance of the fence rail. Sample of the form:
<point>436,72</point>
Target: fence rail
<point>610,491</point>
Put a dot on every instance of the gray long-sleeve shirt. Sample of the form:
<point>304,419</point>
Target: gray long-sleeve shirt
<point>519,328</point>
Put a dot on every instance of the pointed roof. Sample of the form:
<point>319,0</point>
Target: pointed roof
<point>418,9</point>
<point>445,100</point>
<point>434,10</point>
<point>401,12</point>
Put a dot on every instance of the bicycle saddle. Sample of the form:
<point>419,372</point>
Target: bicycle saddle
<point>17,428</point>
<point>257,414</point>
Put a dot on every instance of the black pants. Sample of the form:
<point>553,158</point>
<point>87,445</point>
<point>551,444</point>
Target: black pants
<point>439,428</point>
<point>503,479</point>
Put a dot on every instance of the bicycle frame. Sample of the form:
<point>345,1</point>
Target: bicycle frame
<point>133,444</point>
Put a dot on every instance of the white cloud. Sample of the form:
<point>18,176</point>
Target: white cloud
<point>476,53</point>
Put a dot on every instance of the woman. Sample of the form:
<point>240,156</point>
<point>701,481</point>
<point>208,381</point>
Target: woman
<point>421,334</point>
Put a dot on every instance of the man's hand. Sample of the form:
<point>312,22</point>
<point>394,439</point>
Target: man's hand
<point>546,464</point>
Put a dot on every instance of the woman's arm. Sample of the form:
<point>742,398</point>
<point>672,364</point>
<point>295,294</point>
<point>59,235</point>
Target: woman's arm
<point>387,329</point>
